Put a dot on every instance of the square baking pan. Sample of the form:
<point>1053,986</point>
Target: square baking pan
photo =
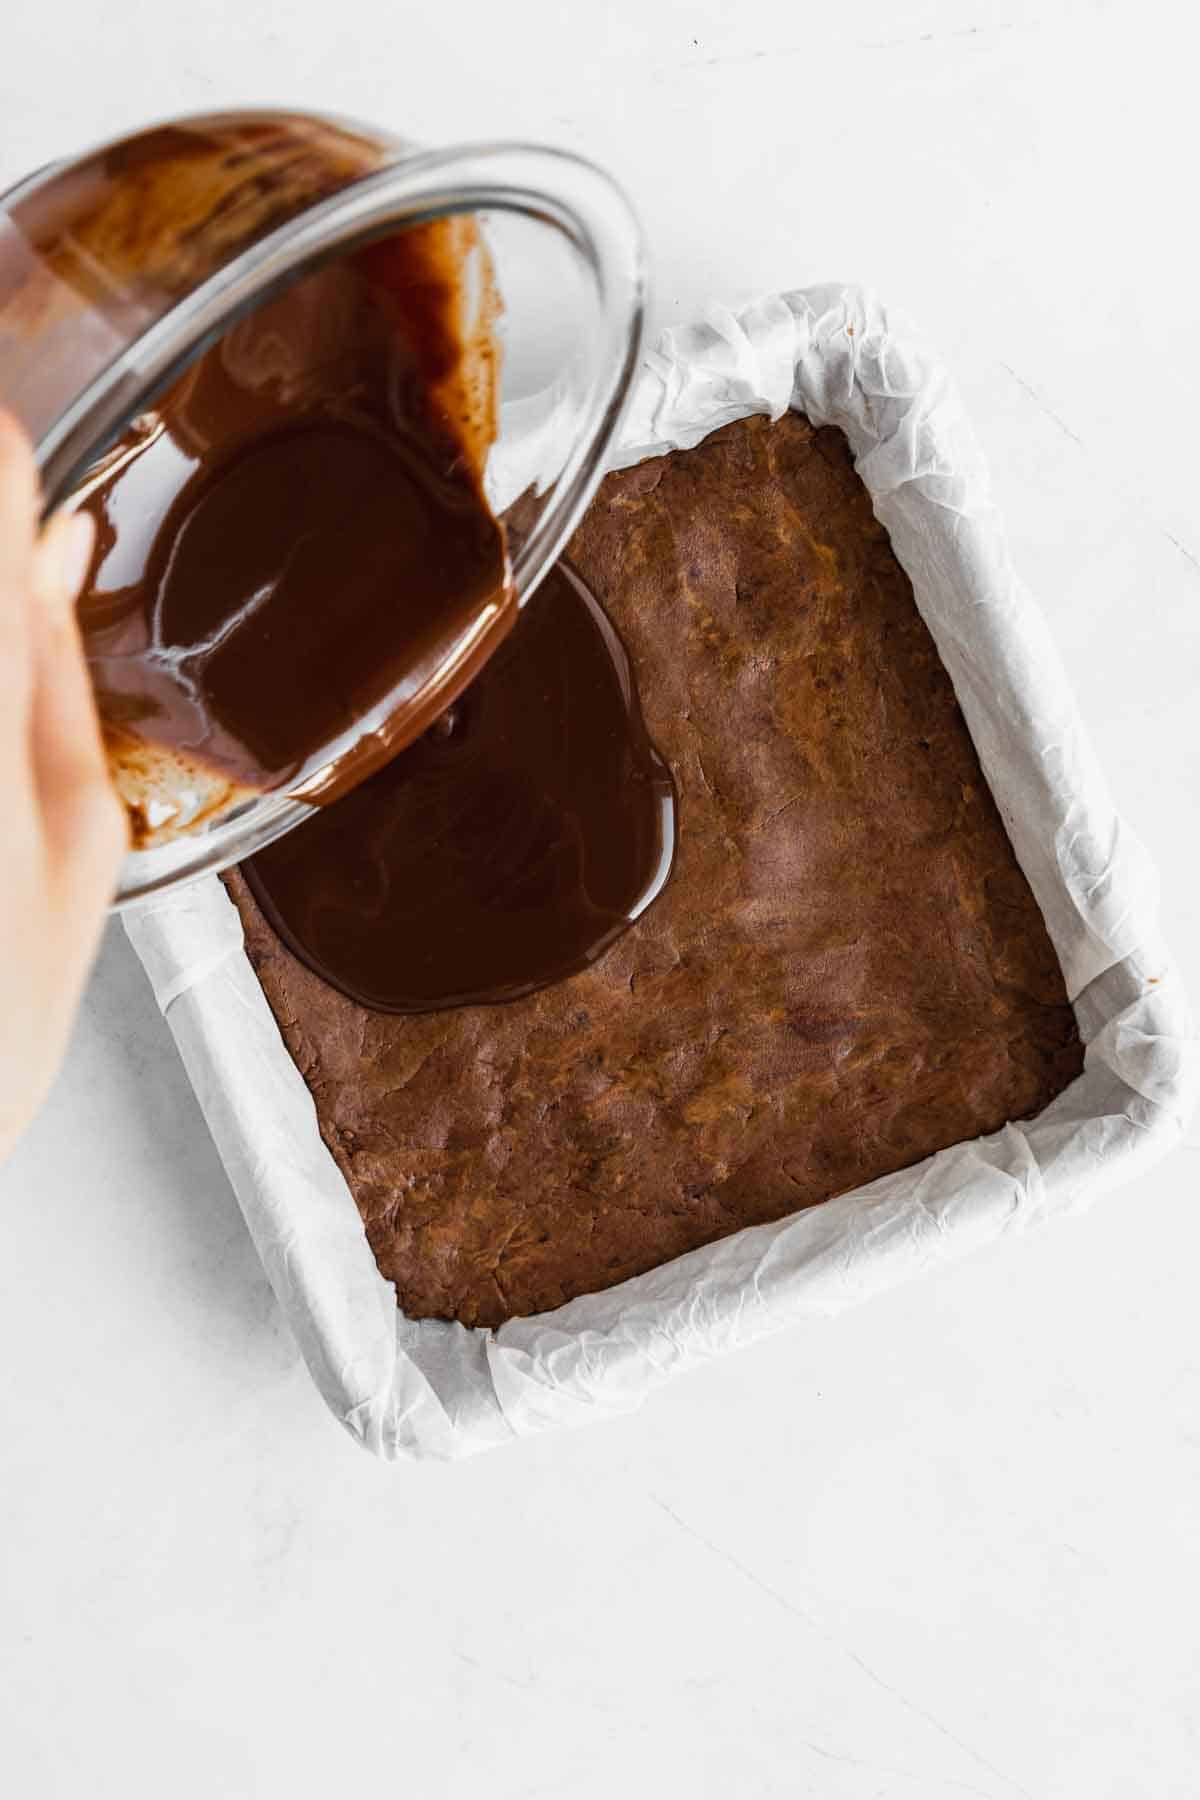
<point>431,1388</point>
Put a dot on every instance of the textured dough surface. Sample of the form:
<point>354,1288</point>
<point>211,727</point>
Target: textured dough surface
<point>846,972</point>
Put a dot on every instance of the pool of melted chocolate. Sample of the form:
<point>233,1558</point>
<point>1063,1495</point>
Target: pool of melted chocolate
<point>295,532</point>
<point>507,848</point>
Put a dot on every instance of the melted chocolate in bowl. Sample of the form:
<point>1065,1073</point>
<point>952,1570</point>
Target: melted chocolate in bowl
<point>295,540</point>
<point>505,849</point>
<point>296,531</point>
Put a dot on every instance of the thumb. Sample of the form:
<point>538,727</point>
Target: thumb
<point>62,560</point>
<point>82,820</point>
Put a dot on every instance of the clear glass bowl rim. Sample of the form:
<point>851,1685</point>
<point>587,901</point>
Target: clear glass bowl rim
<point>555,187</point>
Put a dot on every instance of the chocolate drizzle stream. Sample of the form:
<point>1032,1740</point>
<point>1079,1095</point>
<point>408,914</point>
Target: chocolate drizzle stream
<point>296,531</point>
<point>507,848</point>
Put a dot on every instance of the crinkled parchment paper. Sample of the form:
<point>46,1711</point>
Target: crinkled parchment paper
<point>428,1388</point>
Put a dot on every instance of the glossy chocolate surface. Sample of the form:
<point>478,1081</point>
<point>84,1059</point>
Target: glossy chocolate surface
<point>507,848</point>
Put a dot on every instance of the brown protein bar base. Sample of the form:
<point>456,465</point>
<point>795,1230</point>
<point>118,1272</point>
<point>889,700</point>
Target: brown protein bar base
<point>846,972</point>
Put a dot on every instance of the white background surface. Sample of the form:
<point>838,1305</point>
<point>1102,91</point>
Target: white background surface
<point>972,1563</point>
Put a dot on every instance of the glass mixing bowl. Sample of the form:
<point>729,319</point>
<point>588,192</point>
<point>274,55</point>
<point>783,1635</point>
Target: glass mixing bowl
<point>120,268</point>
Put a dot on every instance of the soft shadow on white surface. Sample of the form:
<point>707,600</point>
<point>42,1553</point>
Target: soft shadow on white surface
<point>117,1185</point>
<point>925,1550</point>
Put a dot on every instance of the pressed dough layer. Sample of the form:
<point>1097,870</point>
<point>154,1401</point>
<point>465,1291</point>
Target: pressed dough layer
<point>846,971</point>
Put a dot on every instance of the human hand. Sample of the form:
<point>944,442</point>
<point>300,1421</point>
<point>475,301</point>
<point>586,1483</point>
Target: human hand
<point>62,827</point>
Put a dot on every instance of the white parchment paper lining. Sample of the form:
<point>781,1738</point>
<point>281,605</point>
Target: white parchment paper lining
<point>432,1389</point>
